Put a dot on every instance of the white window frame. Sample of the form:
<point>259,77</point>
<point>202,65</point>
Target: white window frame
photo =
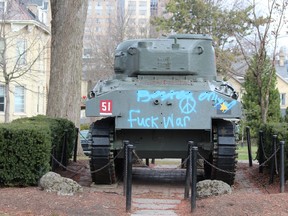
<point>282,99</point>
<point>21,50</point>
<point>2,95</point>
<point>19,99</point>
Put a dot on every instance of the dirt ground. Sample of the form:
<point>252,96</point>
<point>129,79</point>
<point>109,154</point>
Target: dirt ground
<point>252,195</point>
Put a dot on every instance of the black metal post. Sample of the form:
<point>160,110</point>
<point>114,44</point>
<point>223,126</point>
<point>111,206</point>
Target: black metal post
<point>153,161</point>
<point>52,158</point>
<point>282,170</point>
<point>129,179</point>
<point>187,176</point>
<point>147,162</point>
<point>125,147</point>
<point>64,151</point>
<point>76,145</point>
<point>249,145</point>
<point>261,151</point>
<point>193,154</point>
<point>272,168</point>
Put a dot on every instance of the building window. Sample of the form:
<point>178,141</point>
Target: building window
<point>2,98</point>
<point>283,99</point>
<point>142,12</point>
<point>143,4</point>
<point>21,52</point>
<point>2,6</point>
<point>132,8</point>
<point>19,99</point>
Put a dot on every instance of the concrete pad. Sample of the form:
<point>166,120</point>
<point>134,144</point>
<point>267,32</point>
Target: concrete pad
<point>153,206</point>
<point>156,201</point>
<point>154,213</point>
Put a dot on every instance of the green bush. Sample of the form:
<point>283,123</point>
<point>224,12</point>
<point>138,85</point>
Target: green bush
<point>26,145</point>
<point>59,129</point>
<point>24,153</point>
<point>279,129</point>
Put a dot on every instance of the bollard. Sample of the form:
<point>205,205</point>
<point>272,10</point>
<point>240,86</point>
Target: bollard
<point>272,168</point>
<point>187,176</point>
<point>282,170</point>
<point>76,145</point>
<point>129,178</point>
<point>249,146</point>
<point>193,165</point>
<point>147,162</point>
<point>125,147</point>
<point>53,166</point>
<point>261,151</point>
<point>64,151</point>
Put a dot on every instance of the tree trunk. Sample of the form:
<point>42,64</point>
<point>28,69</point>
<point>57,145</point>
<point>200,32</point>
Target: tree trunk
<point>67,29</point>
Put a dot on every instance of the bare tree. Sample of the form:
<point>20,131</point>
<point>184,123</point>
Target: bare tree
<point>266,31</point>
<point>22,50</point>
<point>67,27</point>
<point>100,64</point>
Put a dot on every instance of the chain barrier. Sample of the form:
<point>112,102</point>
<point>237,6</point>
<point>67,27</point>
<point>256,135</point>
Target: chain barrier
<point>66,168</point>
<point>233,173</point>
<point>264,163</point>
<point>183,163</point>
<point>108,164</point>
<point>139,159</point>
<point>217,168</point>
<point>94,171</point>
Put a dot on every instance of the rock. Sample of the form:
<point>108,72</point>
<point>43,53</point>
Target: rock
<point>53,182</point>
<point>208,188</point>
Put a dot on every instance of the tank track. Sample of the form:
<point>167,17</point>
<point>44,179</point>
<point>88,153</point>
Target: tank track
<point>101,155</point>
<point>224,154</point>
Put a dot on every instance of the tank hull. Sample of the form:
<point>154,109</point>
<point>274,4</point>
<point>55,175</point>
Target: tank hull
<point>165,93</point>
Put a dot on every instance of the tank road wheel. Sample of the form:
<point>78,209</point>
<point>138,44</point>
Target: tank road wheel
<point>101,155</point>
<point>224,155</point>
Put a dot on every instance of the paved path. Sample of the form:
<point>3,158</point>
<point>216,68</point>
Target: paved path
<point>156,182</point>
<point>155,207</point>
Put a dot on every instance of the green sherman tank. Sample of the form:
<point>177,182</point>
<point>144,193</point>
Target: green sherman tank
<point>165,92</point>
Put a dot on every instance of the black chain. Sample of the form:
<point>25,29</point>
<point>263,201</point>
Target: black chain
<point>233,173</point>
<point>95,171</point>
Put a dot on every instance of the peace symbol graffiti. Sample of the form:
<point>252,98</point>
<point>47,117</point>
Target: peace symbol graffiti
<point>187,105</point>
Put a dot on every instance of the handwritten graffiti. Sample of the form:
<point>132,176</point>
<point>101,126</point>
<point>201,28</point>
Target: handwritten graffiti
<point>147,122</point>
<point>171,122</point>
<point>187,105</point>
<point>218,101</point>
<point>135,119</point>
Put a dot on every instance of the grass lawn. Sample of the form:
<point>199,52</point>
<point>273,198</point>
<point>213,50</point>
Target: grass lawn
<point>243,152</point>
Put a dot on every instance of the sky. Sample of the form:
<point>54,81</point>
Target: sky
<point>262,9</point>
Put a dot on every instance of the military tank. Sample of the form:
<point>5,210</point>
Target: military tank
<point>165,92</point>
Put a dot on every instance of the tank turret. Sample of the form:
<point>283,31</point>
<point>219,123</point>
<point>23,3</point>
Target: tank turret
<point>175,55</point>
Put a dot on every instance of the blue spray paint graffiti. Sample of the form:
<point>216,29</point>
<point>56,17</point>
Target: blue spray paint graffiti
<point>187,105</point>
<point>147,122</point>
<point>170,122</point>
<point>218,101</point>
<point>135,120</point>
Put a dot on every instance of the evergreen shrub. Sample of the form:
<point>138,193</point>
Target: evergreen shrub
<point>60,129</point>
<point>24,153</point>
<point>281,130</point>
